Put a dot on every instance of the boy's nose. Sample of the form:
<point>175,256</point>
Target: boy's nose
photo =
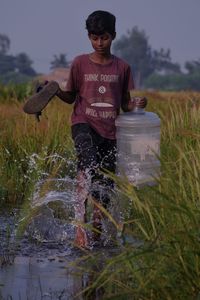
<point>99,42</point>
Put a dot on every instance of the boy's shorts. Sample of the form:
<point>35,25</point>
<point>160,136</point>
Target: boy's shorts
<point>94,153</point>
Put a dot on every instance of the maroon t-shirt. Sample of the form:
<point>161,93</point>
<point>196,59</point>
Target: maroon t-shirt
<point>99,90</point>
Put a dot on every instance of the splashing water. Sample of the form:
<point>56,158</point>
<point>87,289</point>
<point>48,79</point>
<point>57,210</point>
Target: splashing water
<point>53,211</point>
<point>54,203</point>
<point>58,205</point>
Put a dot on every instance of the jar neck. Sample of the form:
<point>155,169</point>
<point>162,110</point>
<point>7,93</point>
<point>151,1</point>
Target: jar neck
<point>139,110</point>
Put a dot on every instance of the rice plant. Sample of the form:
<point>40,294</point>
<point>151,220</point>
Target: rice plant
<point>165,218</point>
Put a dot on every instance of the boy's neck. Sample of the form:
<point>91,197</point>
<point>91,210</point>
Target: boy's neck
<point>101,58</point>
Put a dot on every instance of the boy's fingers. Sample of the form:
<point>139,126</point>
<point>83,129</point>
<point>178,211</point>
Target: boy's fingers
<point>40,86</point>
<point>141,101</point>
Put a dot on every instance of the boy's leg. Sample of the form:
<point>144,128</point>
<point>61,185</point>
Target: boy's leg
<point>102,184</point>
<point>86,155</point>
<point>97,223</point>
<point>80,209</point>
<point>93,152</point>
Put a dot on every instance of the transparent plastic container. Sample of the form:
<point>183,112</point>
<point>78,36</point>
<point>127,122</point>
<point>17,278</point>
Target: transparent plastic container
<point>138,144</point>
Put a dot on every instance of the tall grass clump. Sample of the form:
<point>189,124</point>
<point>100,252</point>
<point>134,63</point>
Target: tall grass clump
<point>17,92</point>
<point>165,219</point>
<point>31,150</point>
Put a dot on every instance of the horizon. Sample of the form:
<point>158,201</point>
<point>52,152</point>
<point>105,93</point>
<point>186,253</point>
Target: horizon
<point>44,29</point>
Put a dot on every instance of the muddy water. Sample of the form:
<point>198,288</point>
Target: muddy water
<point>43,263</point>
<point>40,278</point>
<point>52,277</point>
<point>50,270</point>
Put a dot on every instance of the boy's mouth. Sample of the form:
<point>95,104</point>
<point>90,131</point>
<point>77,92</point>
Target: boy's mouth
<point>100,49</point>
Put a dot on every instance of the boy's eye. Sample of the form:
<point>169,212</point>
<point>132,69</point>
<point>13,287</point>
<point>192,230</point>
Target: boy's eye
<point>102,37</point>
<point>94,38</point>
<point>105,37</point>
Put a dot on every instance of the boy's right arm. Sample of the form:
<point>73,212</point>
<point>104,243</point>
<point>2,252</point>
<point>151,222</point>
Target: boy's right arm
<point>68,97</point>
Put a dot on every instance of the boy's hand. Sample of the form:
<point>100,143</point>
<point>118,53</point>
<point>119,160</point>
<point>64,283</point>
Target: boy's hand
<point>139,102</point>
<point>41,86</point>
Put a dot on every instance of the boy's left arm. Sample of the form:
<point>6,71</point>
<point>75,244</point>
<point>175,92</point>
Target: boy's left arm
<point>129,104</point>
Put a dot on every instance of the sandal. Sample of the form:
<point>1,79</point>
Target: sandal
<point>39,101</point>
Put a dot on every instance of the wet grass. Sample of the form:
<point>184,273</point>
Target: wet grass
<point>166,218</point>
<point>30,151</point>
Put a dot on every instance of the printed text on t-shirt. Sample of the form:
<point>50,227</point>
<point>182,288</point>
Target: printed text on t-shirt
<point>102,114</point>
<point>101,77</point>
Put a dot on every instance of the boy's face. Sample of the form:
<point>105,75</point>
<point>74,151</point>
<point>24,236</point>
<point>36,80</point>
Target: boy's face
<point>101,43</point>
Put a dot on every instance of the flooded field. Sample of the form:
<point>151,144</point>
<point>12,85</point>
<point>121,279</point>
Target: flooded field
<point>47,270</point>
<point>40,278</point>
<point>42,262</point>
<point>49,274</point>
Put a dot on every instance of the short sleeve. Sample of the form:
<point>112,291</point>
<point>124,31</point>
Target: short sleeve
<point>128,80</point>
<point>72,83</point>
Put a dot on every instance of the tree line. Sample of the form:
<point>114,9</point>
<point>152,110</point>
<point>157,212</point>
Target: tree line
<point>18,68</point>
<point>152,69</point>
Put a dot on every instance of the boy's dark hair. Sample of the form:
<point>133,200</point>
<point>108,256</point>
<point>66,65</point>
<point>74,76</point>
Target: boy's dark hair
<point>100,22</point>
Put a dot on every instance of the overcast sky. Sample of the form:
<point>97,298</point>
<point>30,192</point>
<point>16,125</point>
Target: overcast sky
<point>43,28</point>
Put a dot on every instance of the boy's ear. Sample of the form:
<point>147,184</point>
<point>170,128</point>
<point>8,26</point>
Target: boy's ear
<point>114,35</point>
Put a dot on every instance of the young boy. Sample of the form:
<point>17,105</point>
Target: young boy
<point>99,85</point>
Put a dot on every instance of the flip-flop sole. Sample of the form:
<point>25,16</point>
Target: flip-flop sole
<point>39,101</point>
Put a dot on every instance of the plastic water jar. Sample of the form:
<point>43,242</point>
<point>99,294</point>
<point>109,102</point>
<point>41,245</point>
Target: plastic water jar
<point>138,144</point>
